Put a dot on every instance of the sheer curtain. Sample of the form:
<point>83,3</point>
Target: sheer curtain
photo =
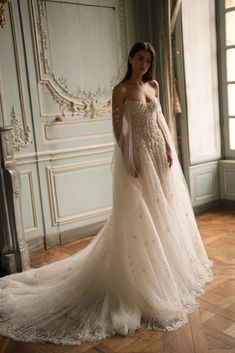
<point>170,10</point>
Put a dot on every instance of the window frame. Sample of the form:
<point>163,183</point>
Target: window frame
<point>222,73</point>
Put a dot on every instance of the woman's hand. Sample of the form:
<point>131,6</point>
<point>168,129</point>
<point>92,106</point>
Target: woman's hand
<point>169,155</point>
<point>136,173</point>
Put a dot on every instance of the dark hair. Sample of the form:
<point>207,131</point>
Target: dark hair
<point>150,74</point>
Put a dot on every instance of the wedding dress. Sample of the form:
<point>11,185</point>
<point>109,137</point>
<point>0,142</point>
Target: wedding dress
<point>143,269</point>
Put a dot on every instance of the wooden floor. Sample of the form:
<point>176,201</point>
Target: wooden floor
<point>211,329</point>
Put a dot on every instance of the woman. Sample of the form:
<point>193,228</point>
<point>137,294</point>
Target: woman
<point>147,265</point>
<point>138,86</point>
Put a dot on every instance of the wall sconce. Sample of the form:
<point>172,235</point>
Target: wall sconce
<point>2,17</point>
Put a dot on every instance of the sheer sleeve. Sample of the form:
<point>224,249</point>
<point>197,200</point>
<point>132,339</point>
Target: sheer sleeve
<point>160,118</point>
<point>163,126</point>
<point>117,118</point>
<point>123,135</point>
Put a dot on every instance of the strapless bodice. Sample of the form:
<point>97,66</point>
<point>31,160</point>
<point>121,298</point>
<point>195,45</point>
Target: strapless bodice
<point>143,120</point>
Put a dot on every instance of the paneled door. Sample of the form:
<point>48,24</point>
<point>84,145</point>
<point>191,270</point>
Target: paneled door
<point>75,54</point>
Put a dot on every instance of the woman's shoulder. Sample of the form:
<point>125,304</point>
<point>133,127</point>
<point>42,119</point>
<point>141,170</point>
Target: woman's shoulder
<point>154,84</point>
<point>121,86</point>
<point>120,89</point>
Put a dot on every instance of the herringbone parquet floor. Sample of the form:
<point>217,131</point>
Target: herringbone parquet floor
<point>211,328</point>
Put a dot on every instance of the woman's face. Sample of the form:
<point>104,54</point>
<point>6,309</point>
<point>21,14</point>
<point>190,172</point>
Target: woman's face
<point>141,61</point>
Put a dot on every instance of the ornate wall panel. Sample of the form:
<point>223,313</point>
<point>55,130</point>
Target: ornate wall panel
<point>15,110</point>
<point>30,197</point>
<point>59,61</point>
<point>14,98</point>
<point>227,180</point>
<point>204,183</point>
<point>80,54</point>
<point>79,191</point>
<point>29,202</point>
<point>80,57</point>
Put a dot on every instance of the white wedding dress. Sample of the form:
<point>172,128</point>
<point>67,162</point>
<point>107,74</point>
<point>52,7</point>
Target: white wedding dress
<point>143,270</point>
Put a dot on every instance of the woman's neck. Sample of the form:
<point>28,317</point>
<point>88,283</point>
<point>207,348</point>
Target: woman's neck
<point>136,79</point>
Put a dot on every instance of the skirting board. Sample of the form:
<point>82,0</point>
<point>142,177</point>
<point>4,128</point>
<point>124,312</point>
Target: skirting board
<point>211,206</point>
<point>228,204</point>
<point>57,239</point>
<point>215,205</point>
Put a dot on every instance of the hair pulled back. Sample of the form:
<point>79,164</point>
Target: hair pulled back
<point>150,74</point>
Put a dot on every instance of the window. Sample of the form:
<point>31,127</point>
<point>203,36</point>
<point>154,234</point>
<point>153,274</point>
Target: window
<point>226,44</point>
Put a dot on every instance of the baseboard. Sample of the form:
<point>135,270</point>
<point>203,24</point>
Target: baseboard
<point>78,233</point>
<point>228,204</point>
<point>214,206</point>
<point>36,244</point>
<point>211,206</point>
<point>57,239</point>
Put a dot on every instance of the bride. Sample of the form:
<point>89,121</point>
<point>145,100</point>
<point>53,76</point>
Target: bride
<point>147,264</point>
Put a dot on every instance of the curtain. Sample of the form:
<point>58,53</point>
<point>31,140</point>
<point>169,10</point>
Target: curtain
<point>170,10</point>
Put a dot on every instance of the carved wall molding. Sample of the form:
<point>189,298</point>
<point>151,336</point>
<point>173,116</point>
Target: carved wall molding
<point>204,183</point>
<point>228,188</point>
<point>2,14</point>
<point>21,127</point>
<point>52,139</point>
<point>61,154</point>
<point>2,106</point>
<point>31,187</point>
<point>211,177</point>
<point>52,172</point>
<point>84,104</point>
<point>21,136</point>
<point>76,130</point>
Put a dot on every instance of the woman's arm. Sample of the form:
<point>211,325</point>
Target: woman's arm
<point>117,111</point>
<point>123,140</point>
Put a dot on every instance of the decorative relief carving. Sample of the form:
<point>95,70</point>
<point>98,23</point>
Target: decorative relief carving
<point>86,104</point>
<point>2,16</point>
<point>21,137</point>
<point>7,146</point>
<point>42,8</point>
<point>44,46</point>
<point>21,133</point>
<point>62,81</point>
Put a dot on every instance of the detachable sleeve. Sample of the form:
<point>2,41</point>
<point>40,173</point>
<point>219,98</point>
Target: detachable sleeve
<point>122,130</point>
<point>163,126</point>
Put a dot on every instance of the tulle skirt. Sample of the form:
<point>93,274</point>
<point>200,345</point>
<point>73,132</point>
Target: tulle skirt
<point>143,270</point>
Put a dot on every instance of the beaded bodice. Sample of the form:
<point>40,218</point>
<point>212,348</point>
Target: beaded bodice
<point>143,119</point>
